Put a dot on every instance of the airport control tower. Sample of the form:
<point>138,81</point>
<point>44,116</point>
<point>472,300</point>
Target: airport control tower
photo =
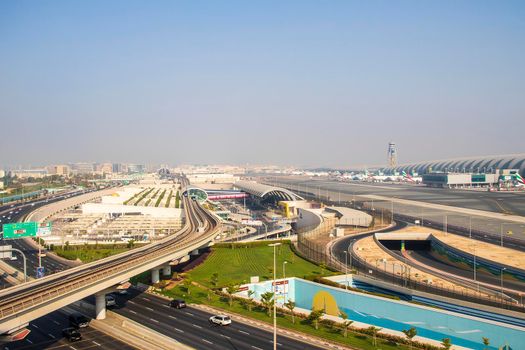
<point>392,155</point>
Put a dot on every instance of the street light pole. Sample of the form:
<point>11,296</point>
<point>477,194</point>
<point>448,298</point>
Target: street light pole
<point>274,297</point>
<point>346,270</point>
<point>25,261</point>
<point>284,269</point>
<point>501,282</point>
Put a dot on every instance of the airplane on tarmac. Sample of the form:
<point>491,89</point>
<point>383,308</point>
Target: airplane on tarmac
<point>410,178</point>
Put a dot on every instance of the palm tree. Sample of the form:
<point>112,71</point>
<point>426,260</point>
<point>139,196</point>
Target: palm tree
<point>214,280</point>
<point>250,299</point>
<point>486,342</point>
<point>290,305</point>
<point>446,343</point>
<point>231,289</point>
<point>346,322</point>
<point>373,330</point>
<point>267,301</point>
<point>315,316</point>
<point>410,333</point>
<point>187,284</point>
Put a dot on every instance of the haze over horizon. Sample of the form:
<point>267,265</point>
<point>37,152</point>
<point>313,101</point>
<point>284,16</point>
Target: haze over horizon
<point>302,83</point>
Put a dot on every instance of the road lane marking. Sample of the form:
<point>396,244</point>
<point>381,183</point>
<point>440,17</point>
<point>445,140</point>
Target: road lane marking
<point>29,341</point>
<point>73,348</point>
<point>256,347</point>
<point>97,344</point>
<point>207,341</point>
<point>225,336</point>
<point>57,323</point>
<point>150,309</point>
<point>188,313</point>
<point>146,299</point>
<point>154,320</point>
<point>173,317</point>
<point>133,312</point>
<point>34,325</point>
<point>131,302</point>
<point>51,335</point>
<point>244,332</point>
<point>178,330</point>
<point>196,325</point>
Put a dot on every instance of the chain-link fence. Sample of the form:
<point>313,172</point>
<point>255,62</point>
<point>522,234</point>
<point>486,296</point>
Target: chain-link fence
<point>312,244</point>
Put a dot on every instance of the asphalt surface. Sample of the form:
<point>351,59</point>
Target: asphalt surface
<point>190,326</point>
<point>425,258</point>
<point>17,213</point>
<point>499,202</point>
<point>46,333</point>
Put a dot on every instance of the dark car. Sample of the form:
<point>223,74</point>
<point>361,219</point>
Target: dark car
<point>78,321</point>
<point>178,303</point>
<point>71,334</point>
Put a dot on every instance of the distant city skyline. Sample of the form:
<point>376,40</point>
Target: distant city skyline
<point>291,83</point>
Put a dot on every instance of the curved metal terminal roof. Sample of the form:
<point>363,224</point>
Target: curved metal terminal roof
<point>266,191</point>
<point>471,164</point>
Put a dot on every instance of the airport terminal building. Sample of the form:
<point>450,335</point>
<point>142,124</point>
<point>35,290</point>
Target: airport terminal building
<point>486,164</point>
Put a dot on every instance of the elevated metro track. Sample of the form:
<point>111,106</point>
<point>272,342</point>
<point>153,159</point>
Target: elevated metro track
<point>23,303</point>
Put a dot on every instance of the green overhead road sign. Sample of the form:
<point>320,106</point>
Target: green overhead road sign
<point>20,230</point>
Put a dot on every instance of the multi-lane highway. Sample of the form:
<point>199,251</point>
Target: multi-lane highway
<point>190,326</point>
<point>33,299</point>
<point>16,213</point>
<point>46,333</point>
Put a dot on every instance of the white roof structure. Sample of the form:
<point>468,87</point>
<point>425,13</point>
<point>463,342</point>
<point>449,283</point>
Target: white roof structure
<point>266,192</point>
<point>470,164</point>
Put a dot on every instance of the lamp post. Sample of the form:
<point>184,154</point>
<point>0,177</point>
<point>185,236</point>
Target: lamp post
<point>284,269</point>
<point>274,297</point>
<point>346,270</point>
<point>501,282</point>
<point>501,230</point>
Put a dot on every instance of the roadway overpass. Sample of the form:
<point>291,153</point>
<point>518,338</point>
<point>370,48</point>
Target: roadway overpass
<point>21,304</point>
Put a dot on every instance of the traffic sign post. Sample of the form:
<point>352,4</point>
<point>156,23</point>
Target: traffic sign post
<point>40,272</point>
<point>20,230</point>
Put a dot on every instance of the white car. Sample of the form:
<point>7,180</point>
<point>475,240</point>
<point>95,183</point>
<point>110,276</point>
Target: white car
<point>221,320</point>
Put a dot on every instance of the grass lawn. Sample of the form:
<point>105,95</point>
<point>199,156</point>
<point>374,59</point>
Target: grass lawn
<point>88,255</point>
<point>199,295</point>
<point>238,264</point>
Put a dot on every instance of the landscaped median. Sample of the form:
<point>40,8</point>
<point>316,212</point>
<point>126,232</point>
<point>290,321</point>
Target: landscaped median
<point>217,279</point>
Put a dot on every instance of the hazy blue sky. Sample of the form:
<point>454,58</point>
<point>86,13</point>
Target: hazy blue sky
<point>287,82</point>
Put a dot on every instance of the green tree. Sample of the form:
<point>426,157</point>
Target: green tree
<point>267,302</point>
<point>315,316</point>
<point>231,290</point>
<point>131,243</point>
<point>486,342</point>
<point>446,343</point>
<point>346,322</point>
<point>323,268</point>
<point>410,333</point>
<point>250,299</point>
<point>290,305</point>
<point>374,330</point>
<point>214,280</point>
<point>187,284</point>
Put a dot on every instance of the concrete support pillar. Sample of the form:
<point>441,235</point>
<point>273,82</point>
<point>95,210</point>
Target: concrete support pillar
<point>194,252</point>
<point>155,278</point>
<point>166,270</point>
<point>100,306</point>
